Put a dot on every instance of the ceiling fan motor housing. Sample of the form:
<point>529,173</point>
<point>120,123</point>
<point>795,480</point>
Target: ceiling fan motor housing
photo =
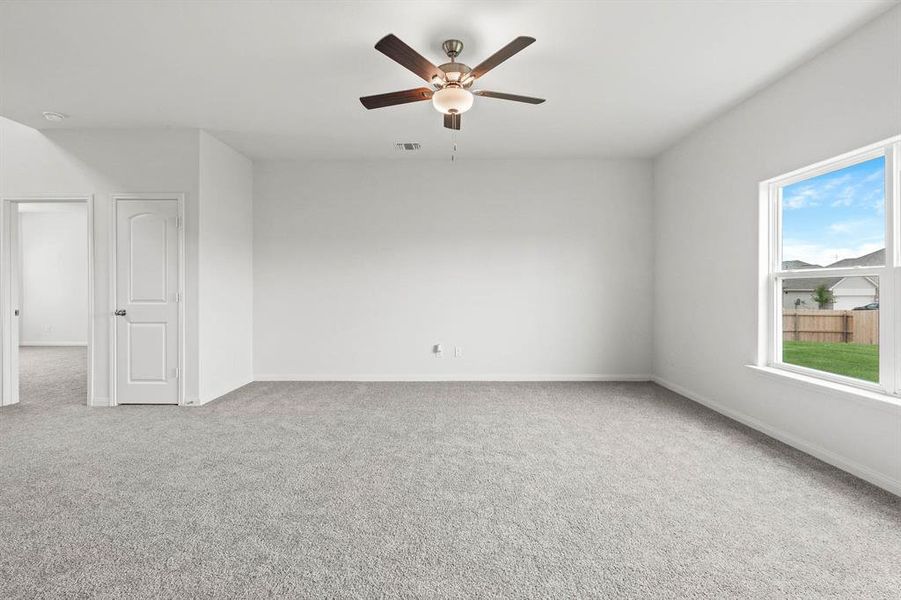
<point>455,74</point>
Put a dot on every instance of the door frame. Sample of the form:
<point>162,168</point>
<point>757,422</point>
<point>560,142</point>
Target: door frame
<point>180,228</point>
<point>7,301</point>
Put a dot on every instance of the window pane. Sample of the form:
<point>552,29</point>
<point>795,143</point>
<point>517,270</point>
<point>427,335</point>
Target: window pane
<point>832,324</point>
<point>836,219</point>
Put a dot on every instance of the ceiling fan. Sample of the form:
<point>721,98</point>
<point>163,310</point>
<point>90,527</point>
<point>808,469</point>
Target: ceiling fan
<point>451,81</point>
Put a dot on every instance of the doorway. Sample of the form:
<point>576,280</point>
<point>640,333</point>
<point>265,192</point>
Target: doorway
<point>47,304</point>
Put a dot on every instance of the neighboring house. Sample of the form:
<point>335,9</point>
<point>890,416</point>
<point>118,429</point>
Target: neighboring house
<point>849,292</point>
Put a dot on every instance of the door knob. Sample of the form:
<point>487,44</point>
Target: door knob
<point>120,312</point>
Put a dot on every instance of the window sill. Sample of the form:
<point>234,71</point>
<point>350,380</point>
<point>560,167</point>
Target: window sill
<point>870,399</point>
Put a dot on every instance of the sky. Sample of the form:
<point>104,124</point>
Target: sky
<point>836,215</point>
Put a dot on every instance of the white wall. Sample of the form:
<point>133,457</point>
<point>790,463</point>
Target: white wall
<point>103,162</point>
<point>218,244</point>
<point>53,269</point>
<point>537,269</point>
<point>226,269</point>
<point>706,212</point>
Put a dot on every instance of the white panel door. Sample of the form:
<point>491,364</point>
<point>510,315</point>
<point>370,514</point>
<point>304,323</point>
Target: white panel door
<point>10,393</point>
<point>146,302</point>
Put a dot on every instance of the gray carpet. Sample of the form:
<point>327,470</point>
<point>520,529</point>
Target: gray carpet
<point>51,377</point>
<point>423,490</point>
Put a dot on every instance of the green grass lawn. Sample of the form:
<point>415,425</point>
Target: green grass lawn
<point>851,360</point>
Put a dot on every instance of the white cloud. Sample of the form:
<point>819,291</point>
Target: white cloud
<point>845,197</point>
<point>875,176</point>
<point>840,192</point>
<point>855,226</point>
<point>823,255</point>
<point>801,198</point>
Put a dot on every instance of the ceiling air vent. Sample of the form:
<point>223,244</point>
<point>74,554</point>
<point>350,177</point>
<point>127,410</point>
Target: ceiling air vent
<point>407,146</point>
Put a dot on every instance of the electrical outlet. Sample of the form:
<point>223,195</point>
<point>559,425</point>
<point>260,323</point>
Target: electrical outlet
<point>458,351</point>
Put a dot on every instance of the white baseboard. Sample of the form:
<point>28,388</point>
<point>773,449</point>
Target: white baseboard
<point>450,377</point>
<point>204,401</point>
<point>99,403</point>
<point>227,389</point>
<point>828,456</point>
<point>83,344</point>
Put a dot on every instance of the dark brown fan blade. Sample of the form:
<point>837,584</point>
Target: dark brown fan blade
<point>396,50</point>
<point>392,98</point>
<point>452,121</point>
<point>501,55</point>
<point>503,96</point>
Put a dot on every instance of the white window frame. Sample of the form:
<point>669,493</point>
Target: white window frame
<point>772,273</point>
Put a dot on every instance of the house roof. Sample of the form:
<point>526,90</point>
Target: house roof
<point>809,285</point>
<point>872,259</point>
<point>798,264</point>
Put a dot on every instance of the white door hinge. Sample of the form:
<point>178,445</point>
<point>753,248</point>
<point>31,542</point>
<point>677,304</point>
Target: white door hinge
<point>178,222</point>
<point>177,373</point>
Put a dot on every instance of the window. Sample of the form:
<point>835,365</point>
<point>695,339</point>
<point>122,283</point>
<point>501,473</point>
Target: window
<point>831,257</point>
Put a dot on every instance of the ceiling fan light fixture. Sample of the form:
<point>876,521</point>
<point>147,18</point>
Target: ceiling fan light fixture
<point>451,80</point>
<point>452,100</point>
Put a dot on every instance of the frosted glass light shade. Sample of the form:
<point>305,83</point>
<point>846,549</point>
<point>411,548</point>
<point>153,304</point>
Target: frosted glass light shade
<point>452,100</point>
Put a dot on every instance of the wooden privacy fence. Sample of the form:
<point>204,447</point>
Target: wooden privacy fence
<point>848,326</point>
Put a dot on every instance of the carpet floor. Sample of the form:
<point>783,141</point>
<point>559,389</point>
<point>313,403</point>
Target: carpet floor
<point>422,490</point>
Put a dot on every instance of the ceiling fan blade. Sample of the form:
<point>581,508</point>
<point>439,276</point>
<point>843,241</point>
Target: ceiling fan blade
<point>392,98</point>
<point>501,55</point>
<point>392,47</point>
<point>452,121</point>
<point>503,96</point>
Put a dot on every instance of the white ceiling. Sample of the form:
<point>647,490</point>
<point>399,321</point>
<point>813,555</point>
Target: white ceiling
<point>281,79</point>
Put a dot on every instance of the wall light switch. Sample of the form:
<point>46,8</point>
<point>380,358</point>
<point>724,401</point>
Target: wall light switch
<point>437,350</point>
<point>458,351</point>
